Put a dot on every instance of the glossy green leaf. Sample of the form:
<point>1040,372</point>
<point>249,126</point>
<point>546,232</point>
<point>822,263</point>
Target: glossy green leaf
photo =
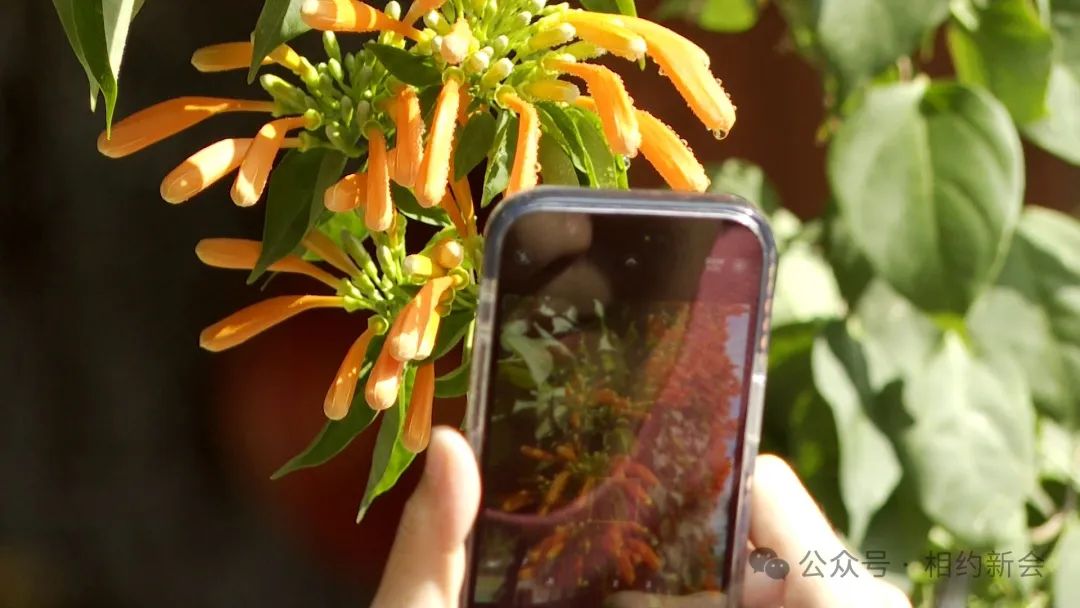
<point>1067,559</point>
<point>1059,453</point>
<point>347,221</point>
<point>971,445</point>
<point>557,124</point>
<point>405,66</point>
<point>295,201</point>
<point>858,39</point>
<point>1033,319</point>
<point>869,467</point>
<point>897,338</point>
<point>407,204</point>
<point>1059,131</point>
<point>744,178</point>
<point>390,458</point>
<point>1003,46</point>
<point>607,169</point>
<point>899,529</point>
<point>454,383</point>
<point>805,287</point>
<point>555,164</point>
<point>929,178</point>
<point>336,435</point>
<point>850,267</point>
<point>279,22</point>
<point>452,329</point>
<point>84,24</point>
<point>497,173</point>
<point>476,138</point>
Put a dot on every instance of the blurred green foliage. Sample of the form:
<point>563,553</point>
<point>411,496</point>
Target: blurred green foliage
<point>925,369</point>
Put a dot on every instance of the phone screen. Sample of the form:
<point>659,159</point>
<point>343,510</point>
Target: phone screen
<point>616,405</point>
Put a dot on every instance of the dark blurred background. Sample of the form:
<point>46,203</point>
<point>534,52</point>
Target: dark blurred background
<point>135,467</point>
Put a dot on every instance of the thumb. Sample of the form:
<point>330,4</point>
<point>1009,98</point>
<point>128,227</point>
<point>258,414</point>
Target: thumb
<point>427,563</point>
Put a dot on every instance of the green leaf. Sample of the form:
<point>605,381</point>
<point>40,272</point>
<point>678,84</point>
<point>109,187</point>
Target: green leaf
<point>899,529</point>
<point>1059,132</point>
<point>497,173</point>
<point>555,164</point>
<point>84,24</point>
<point>452,329</point>
<point>1059,454</point>
<point>869,468</point>
<point>1067,557</point>
<point>476,139</point>
<point>1003,46</point>
<point>806,288</point>
<point>295,201</point>
<point>729,16</point>
<point>346,221</point>
<point>453,384</point>
<point>858,39</point>
<point>279,22</point>
<point>407,204</point>
<point>897,338</point>
<point>850,267</point>
<point>556,123</point>
<point>929,178</point>
<point>533,352</point>
<point>618,7</point>
<point>389,459</point>
<point>606,167</point>
<point>744,178</point>
<point>971,446</point>
<point>117,16</point>
<point>1040,333</point>
<point>336,435</point>
<point>405,66</point>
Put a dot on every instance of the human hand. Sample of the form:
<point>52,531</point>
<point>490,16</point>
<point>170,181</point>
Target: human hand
<point>427,564</point>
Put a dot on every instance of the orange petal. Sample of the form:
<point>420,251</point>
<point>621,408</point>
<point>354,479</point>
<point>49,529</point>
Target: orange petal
<point>203,169</point>
<point>616,109</point>
<point>381,390</point>
<point>419,8</point>
<point>259,160</point>
<point>242,254</point>
<point>435,167</point>
<point>410,134</point>
<point>659,38</point>
<point>417,429</point>
<point>551,89</point>
<point>429,317</point>
<point>404,338</point>
<point>465,206</point>
<point>670,155</point>
<point>248,322</point>
<point>347,193</point>
<point>525,171</point>
<point>153,124</point>
<point>237,55</point>
<point>318,243</point>
<point>351,16</point>
<point>448,253</point>
<point>379,211</point>
<point>609,34</point>
<point>340,396</point>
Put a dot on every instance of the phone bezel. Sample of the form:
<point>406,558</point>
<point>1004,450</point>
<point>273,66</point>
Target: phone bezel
<point>621,202</point>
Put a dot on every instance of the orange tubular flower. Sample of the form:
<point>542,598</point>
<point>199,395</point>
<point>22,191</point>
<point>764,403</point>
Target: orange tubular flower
<point>616,109</point>
<point>248,322</point>
<point>379,211</point>
<point>347,194</point>
<point>448,253</point>
<point>610,35</point>
<point>237,55</point>
<point>153,124</point>
<point>381,390</point>
<point>203,169</point>
<point>259,160</point>
<point>417,430</point>
<point>523,175</point>
<point>340,395</point>
<point>352,16</point>
<point>430,317</point>
<point>435,167</point>
<point>410,134</point>
<point>241,254</point>
<point>318,243</point>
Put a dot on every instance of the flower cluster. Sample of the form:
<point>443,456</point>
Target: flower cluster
<point>411,113</point>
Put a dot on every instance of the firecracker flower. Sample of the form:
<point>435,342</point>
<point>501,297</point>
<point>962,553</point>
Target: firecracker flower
<point>386,135</point>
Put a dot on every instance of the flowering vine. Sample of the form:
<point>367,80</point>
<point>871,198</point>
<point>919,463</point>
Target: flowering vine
<point>385,137</point>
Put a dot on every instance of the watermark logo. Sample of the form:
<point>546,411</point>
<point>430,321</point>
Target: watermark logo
<point>765,560</point>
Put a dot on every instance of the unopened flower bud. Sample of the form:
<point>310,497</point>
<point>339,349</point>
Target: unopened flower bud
<point>312,119</point>
<point>330,44</point>
<point>477,62</point>
<point>378,324</point>
<point>435,21</point>
<point>290,99</point>
<point>448,253</point>
<point>500,45</point>
<point>419,268</point>
<point>334,67</point>
<point>393,10</point>
<point>538,5</point>
<point>524,18</point>
<point>560,34</point>
<point>551,89</point>
<point>497,72</point>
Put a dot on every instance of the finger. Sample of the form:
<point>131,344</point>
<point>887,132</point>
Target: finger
<point>640,599</point>
<point>427,563</point>
<point>761,590</point>
<point>786,519</point>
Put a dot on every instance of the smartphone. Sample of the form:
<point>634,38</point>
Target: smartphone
<point>617,378</point>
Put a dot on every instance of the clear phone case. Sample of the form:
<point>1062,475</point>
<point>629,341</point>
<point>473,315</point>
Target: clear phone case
<point>642,203</point>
